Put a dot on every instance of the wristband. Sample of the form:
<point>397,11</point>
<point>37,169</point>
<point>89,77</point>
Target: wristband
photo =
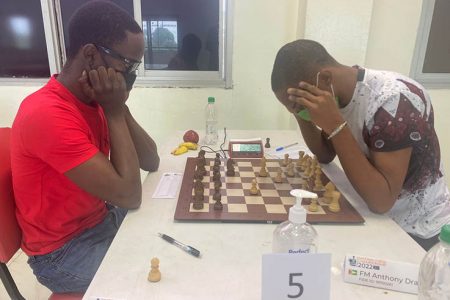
<point>337,130</point>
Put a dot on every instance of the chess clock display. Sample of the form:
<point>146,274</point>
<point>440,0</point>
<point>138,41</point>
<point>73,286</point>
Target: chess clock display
<point>246,148</point>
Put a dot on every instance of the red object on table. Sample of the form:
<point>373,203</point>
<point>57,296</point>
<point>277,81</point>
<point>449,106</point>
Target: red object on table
<point>191,136</point>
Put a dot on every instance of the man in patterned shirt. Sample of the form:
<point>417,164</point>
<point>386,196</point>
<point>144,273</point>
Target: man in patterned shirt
<point>381,126</point>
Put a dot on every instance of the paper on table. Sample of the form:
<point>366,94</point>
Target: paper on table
<point>292,151</point>
<point>168,186</point>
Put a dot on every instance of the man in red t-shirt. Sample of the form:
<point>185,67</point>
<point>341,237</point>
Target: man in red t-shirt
<point>76,151</point>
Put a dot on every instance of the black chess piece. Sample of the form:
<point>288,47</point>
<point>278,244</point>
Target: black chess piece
<point>230,168</point>
<point>267,145</point>
<point>217,196</point>
<point>216,176</point>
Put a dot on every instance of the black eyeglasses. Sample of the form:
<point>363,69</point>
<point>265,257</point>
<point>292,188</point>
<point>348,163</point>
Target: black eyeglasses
<point>131,65</point>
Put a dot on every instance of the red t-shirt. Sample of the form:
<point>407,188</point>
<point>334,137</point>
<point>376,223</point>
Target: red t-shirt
<point>52,133</point>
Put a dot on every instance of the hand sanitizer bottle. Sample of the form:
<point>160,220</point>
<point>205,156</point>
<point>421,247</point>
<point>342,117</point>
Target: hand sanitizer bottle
<point>295,235</point>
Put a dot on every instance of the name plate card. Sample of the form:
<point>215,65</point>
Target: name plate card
<point>296,276</point>
<point>380,273</point>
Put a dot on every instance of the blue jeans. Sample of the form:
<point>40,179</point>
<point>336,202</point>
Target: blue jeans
<point>72,267</point>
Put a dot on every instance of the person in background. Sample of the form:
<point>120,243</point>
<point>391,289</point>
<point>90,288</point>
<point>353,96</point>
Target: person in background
<point>381,126</point>
<point>76,151</point>
<point>186,58</point>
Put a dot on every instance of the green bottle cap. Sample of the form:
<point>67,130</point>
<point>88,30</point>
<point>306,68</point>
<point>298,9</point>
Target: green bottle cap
<point>211,100</point>
<point>445,234</point>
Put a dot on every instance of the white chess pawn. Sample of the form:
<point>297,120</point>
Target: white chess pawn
<point>290,170</point>
<point>154,275</point>
<point>313,207</point>
<point>278,178</point>
<point>254,188</point>
<point>334,205</point>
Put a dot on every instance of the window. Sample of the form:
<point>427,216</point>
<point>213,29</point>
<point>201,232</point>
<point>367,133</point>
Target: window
<point>68,7</point>
<point>23,51</point>
<point>431,64</point>
<point>161,43</point>
<point>187,43</point>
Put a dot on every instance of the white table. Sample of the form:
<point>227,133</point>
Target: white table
<point>230,266</point>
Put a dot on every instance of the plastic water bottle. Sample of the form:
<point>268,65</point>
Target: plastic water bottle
<point>211,133</point>
<point>295,235</point>
<point>434,274</point>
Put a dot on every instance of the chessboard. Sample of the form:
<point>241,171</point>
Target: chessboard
<point>270,205</point>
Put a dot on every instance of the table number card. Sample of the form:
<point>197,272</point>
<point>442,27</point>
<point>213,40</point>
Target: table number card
<point>296,276</point>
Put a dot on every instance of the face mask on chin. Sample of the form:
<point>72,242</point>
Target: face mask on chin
<point>130,78</point>
<point>304,113</point>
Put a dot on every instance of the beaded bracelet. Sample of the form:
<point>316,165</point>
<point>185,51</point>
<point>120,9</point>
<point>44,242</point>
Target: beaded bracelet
<point>337,130</point>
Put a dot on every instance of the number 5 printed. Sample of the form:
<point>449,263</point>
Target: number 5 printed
<point>297,284</point>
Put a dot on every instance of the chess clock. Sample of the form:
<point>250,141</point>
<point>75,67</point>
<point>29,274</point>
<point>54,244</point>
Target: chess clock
<point>246,148</point>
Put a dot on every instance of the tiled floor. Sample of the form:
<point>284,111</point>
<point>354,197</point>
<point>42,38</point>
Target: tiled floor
<point>27,284</point>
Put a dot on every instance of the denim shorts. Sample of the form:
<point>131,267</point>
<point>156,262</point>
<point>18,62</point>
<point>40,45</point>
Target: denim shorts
<point>72,267</point>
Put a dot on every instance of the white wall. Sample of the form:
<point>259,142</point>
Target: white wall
<point>377,34</point>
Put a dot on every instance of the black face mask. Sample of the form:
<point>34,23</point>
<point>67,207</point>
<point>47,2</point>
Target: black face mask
<point>130,78</point>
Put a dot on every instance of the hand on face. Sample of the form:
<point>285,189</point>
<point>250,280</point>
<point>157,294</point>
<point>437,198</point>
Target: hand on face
<point>321,105</point>
<point>105,86</point>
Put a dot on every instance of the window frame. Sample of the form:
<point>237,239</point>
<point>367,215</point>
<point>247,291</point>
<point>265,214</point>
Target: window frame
<point>428,80</point>
<point>54,36</point>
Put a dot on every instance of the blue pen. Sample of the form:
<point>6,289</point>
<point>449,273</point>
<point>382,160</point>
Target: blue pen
<point>284,147</point>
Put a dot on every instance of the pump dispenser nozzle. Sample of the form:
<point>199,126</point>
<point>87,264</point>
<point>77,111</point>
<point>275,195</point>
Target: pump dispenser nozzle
<point>297,214</point>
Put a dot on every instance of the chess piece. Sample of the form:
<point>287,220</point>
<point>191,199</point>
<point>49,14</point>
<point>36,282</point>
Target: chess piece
<point>217,196</point>
<point>318,185</point>
<point>308,172</point>
<point>313,206</point>
<point>201,156</point>
<point>154,275</point>
<point>216,169</point>
<point>218,205</point>
<point>198,174</point>
<point>201,166</point>
<point>305,162</point>
<point>197,205</point>
<point>334,205</point>
<point>290,170</point>
<point>199,190</point>
<point>217,160</point>
<point>267,145</point>
<point>230,168</point>
<point>328,195</point>
<point>198,185</point>
<point>301,154</point>
<point>263,172</point>
<point>217,184</point>
<point>216,176</point>
<point>278,178</point>
<point>254,189</point>
<point>286,160</point>
<point>305,185</point>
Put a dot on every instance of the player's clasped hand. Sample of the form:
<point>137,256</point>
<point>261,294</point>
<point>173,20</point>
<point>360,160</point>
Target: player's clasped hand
<point>320,104</point>
<point>105,86</point>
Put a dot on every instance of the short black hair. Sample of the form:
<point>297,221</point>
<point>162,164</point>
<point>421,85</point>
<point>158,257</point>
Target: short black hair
<point>101,23</point>
<point>297,61</point>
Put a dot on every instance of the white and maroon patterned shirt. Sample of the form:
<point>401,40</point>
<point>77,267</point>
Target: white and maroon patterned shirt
<point>389,112</point>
